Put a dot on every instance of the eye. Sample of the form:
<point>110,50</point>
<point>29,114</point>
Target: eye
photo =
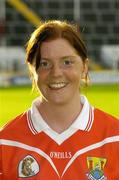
<point>45,64</point>
<point>68,62</point>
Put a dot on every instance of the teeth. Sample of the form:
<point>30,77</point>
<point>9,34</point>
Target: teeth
<point>57,85</point>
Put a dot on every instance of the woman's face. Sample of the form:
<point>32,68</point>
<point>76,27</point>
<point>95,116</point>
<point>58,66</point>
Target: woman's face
<point>60,72</point>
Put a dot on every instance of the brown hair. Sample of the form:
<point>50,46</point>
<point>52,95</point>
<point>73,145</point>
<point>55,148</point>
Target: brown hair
<point>50,30</point>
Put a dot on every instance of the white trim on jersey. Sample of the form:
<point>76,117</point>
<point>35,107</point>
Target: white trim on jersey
<point>30,123</point>
<point>83,122</point>
<point>89,148</point>
<point>91,118</point>
<point>29,148</point>
<point>76,155</point>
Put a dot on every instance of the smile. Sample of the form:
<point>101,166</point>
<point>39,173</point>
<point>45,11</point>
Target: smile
<point>57,85</point>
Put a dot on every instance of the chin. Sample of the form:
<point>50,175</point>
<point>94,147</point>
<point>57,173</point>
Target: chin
<point>58,101</point>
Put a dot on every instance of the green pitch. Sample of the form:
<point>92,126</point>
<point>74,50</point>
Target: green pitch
<point>15,100</point>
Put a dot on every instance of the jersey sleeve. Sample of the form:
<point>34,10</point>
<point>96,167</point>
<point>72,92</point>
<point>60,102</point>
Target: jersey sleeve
<point>1,173</point>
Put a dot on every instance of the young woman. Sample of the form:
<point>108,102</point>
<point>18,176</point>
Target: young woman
<point>61,136</point>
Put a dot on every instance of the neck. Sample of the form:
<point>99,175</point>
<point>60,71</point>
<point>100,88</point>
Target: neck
<point>60,117</point>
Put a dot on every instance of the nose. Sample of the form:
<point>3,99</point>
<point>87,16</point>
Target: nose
<point>56,70</point>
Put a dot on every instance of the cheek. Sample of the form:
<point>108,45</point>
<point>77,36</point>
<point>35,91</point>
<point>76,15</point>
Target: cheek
<point>75,75</point>
<point>42,76</point>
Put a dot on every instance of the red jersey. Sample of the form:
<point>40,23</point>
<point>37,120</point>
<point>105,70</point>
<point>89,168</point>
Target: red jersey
<point>87,150</point>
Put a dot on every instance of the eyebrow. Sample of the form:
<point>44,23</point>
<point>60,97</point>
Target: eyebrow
<point>64,57</point>
<point>70,56</point>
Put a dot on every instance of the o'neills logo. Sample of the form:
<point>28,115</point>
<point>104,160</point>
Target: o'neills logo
<point>28,167</point>
<point>61,155</point>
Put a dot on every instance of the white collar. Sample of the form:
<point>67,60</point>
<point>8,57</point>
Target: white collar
<point>83,121</point>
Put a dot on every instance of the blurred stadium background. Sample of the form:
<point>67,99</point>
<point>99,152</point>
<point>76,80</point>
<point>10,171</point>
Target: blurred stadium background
<point>99,24</point>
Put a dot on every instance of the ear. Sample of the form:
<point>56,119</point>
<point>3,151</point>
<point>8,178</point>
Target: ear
<point>85,68</point>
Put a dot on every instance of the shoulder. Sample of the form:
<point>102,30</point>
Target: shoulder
<point>101,114</point>
<point>14,125</point>
<point>104,119</point>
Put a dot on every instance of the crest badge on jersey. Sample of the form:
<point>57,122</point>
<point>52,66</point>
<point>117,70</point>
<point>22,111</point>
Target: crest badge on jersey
<point>96,168</point>
<point>28,167</point>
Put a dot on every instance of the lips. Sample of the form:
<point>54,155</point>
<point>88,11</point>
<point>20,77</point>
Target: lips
<point>57,85</point>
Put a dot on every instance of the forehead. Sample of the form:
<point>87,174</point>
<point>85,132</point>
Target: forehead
<point>56,48</point>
